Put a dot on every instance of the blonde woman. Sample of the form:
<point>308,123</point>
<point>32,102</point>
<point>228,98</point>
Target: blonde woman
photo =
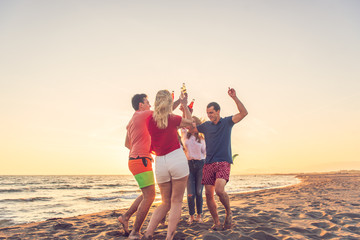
<point>171,165</point>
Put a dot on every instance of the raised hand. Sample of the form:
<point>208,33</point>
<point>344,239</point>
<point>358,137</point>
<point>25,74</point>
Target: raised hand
<point>184,99</point>
<point>232,92</point>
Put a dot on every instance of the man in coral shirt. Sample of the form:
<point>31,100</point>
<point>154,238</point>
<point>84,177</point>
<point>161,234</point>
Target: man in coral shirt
<point>140,164</point>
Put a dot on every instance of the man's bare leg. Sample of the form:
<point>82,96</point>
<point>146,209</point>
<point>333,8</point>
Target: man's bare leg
<point>124,219</point>
<point>224,199</point>
<point>148,194</point>
<point>211,204</point>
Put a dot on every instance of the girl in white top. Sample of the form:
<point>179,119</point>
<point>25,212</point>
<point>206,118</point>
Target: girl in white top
<point>194,146</point>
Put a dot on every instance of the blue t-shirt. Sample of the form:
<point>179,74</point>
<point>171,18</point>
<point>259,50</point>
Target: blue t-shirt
<point>218,140</point>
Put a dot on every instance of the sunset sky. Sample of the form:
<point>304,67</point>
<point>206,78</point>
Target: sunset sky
<point>68,70</point>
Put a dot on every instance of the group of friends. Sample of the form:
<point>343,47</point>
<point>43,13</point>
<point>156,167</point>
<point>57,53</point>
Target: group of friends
<point>200,157</point>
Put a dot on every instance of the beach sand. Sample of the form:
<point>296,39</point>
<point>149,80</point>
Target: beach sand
<point>322,206</point>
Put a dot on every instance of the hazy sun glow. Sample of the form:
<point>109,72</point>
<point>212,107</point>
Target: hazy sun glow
<point>69,70</point>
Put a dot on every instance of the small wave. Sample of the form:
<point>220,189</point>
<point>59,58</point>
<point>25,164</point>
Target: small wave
<point>27,199</point>
<point>14,190</point>
<point>110,185</point>
<point>100,198</point>
<point>128,196</point>
<point>6,222</point>
<point>134,191</point>
<point>69,187</point>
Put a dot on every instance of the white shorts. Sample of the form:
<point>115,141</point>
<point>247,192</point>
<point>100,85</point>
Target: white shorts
<point>173,165</point>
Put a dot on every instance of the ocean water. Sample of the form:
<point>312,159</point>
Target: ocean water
<point>25,199</point>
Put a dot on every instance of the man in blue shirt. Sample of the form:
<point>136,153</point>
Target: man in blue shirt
<point>218,160</point>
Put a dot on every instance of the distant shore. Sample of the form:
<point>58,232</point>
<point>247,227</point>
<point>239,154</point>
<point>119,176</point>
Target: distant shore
<point>322,206</point>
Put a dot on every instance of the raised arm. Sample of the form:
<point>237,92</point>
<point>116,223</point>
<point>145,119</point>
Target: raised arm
<point>178,101</point>
<point>187,121</point>
<point>242,110</point>
<point>176,104</point>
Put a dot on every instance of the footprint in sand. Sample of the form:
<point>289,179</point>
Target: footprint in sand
<point>298,230</point>
<point>278,224</point>
<point>337,221</point>
<point>319,232</point>
<point>256,210</point>
<point>213,236</point>
<point>284,232</point>
<point>266,229</point>
<point>330,212</point>
<point>245,228</point>
<point>293,214</point>
<point>114,234</point>
<point>323,225</point>
<point>348,215</point>
<point>239,217</point>
<point>266,217</point>
<point>93,231</point>
<point>315,215</point>
<point>246,209</point>
<point>89,236</point>
<point>62,226</point>
<point>353,229</point>
<point>328,236</point>
<point>315,203</point>
<point>262,235</point>
<point>97,224</point>
<point>334,228</point>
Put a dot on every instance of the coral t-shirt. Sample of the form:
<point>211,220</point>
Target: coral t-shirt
<point>138,134</point>
<point>164,141</point>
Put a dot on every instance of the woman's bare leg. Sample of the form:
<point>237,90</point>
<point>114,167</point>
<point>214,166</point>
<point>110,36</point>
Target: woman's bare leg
<point>161,211</point>
<point>177,195</point>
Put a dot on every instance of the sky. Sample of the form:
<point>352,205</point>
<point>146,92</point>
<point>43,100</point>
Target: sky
<point>68,70</point>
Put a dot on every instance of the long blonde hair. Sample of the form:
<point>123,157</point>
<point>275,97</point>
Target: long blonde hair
<point>163,107</point>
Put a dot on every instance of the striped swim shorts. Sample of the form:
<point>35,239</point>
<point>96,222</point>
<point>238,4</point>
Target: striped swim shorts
<point>141,168</point>
<point>213,171</point>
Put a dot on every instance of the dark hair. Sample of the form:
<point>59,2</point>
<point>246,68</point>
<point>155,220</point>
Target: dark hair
<point>136,99</point>
<point>215,105</point>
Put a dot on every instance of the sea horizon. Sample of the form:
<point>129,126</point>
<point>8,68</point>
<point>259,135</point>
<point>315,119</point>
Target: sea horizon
<point>237,174</point>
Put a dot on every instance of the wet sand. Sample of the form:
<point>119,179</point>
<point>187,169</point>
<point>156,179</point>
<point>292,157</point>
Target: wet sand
<point>322,206</point>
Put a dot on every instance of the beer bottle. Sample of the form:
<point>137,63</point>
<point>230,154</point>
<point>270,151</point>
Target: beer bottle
<point>183,89</point>
<point>191,105</point>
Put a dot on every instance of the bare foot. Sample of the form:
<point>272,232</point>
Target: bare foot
<point>199,220</point>
<point>134,236</point>
<point>146,237</point>
<point>228,222</point>
<point>217,227</point>
<point>191,219</point>
<point>125,224</point>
